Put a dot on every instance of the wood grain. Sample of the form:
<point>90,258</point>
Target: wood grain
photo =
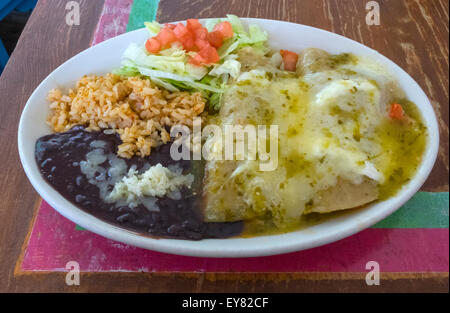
<point>413,33</point>
<point>226,282</point>
<point>45,43</point>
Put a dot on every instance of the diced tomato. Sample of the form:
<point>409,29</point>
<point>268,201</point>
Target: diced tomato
<point>200,43</point>
<point>225,29</point>
<point>201,33</point>
<point>180,31</point>
<point>396,111</point>
<point>193,24</point>
<point>188,42</point>
<point>153,45</point>
<point>215,39</point>
<point>184,36</point>
<point>166,36</point>
<point>170,26</point>
<point>289,59</point>
<point>193,61</point>
<point>209,53</point>
<point>197,60</point>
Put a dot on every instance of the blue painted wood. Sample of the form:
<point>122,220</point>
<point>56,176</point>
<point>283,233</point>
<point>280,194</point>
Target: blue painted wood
<point>3,56</point>
<point>26,5</point>
<point>8,6</point>
<point>4,3</point>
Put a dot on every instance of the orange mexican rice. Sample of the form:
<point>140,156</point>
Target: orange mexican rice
<point>133,107</point>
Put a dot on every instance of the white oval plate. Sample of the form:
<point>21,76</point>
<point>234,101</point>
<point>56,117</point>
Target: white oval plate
<point>106,56</point>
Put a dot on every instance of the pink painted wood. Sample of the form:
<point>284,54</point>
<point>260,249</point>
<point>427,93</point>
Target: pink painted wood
<point>113,20</point>
<point>55,241</point>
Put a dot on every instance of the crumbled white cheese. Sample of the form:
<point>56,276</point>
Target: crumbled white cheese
<point>157,181</point>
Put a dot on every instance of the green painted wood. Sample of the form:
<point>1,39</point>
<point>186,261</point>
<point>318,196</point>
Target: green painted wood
<point>142,11</point>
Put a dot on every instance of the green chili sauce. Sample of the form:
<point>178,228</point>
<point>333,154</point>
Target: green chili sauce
<point>405,141</point>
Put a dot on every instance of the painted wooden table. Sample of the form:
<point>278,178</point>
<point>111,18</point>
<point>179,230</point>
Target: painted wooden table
<point>414,34</point>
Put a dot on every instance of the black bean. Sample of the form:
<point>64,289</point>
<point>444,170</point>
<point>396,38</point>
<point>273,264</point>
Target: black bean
<point>70,188</point>
<point>79,180</point>
<point>58,156</point>
<point>80,198</point>
<point>123,218</point>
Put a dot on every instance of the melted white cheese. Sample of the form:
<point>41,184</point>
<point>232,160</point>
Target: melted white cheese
<point>327,131</point>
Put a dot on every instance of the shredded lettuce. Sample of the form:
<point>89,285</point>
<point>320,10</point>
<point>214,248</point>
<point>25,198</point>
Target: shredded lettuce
<point>197,72</point>
<point>227,48</point>
<point>127,71</point>
<point>173,63</point>
<point>165,84</point>
<point>153,27</point>
<point>255,37</point>
<point>210,23</point>
<point>231,67</point>
<point>170,68</point>
<point>236,23</point>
